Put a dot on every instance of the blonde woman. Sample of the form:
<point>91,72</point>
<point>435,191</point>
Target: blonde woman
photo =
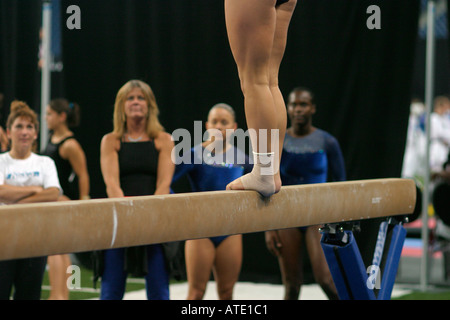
<point>25,177</point>
<point>136,161</point>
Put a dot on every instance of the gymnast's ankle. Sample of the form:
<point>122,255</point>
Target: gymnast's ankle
<point>262,178</point>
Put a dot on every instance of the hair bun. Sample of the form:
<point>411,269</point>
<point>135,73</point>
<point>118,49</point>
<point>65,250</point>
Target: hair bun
<point>18,105</point>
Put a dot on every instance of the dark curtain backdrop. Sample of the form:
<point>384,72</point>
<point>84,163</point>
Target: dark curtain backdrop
<point>441,58</point>
<point>362,78</point>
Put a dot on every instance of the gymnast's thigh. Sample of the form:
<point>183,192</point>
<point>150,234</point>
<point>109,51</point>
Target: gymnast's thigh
<point>251,28</point>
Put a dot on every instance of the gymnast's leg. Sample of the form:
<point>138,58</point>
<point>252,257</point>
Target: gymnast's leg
<point>319,264</point>
<point>58,276</point>
<point>252,27</point>
<point>227,266</point>
<point>284,15</point>
<point>199,255</point>
<point>290,260</point>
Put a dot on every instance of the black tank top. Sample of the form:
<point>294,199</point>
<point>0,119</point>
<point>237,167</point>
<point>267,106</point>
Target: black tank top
<point>138,165</point>
<point>66,175</point>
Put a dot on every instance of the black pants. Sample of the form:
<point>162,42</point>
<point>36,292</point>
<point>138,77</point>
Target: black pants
<point>25,275</point>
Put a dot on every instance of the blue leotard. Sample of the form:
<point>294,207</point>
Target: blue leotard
<point>315,158</point>
<point>207,172</point>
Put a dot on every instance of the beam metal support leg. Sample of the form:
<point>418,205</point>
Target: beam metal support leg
<point>352,279</point>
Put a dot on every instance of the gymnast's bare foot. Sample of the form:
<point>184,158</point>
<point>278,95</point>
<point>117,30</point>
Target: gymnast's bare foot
<point>266,185</point>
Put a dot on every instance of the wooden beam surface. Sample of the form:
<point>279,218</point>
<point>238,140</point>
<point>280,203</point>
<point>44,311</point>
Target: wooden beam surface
<point>84,225</point>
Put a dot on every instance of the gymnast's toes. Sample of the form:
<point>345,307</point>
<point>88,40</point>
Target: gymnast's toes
<point>235,185</point>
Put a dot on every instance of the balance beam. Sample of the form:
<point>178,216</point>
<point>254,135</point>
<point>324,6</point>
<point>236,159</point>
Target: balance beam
<point>43,229</point>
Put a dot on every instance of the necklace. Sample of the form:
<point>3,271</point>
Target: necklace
<point>134,140</point>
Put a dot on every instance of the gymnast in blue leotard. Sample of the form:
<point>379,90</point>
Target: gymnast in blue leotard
<point>210,169</point>
<point>310,155</point>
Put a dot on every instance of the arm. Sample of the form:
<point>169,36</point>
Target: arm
<point>181,169</point>
<point>46,195</point>
<point>166,167</point>
<point>335,160</point>
<point>72,151</point>
<point>184,168</point>
<point>13,194</point>
<point>4,143</point>
<point>45,188</point>
<point>109,162</point>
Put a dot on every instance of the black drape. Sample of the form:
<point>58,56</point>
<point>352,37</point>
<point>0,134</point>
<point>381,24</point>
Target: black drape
<point>441,57</point>
<point>362,78</point>
<point>19,41</point>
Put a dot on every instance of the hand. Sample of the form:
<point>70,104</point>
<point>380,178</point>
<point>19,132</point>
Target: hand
<point>63,198</point>
<point>273,242</point>
<point>36,189</point>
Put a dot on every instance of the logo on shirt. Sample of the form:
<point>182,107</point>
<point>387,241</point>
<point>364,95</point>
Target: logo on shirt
<point>19,175</point>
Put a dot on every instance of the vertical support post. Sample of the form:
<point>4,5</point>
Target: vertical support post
<point>429,89</point>
<point>378,253</point>
<point>346,265</point>
<point>46,68</point>
<point>397,238</point>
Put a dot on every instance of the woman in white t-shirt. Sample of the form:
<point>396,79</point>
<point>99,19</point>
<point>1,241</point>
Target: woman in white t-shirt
<point>25,177</point>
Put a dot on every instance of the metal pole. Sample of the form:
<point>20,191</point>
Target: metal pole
<point>46,68</point>
<point>429,89</point>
